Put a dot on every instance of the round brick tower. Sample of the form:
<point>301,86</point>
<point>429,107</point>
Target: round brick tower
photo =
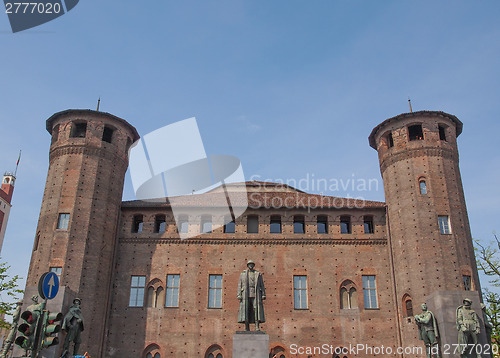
<point>430,239</point>
<point>80,210</point>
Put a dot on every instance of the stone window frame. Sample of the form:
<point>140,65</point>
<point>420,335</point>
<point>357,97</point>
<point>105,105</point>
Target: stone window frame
<point>155,293</point>
<point>423,190</point>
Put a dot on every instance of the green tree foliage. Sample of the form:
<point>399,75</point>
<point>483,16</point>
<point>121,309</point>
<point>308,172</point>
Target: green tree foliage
<point>9,294</point>
<point>488,261</point>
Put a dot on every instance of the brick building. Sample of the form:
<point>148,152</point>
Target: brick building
<point>6,191</point>
<point>337,271</point>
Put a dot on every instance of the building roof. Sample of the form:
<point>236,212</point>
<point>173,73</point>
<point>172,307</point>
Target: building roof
<point>89,111</point>
<point>454,119</point>
<point>259,195</point>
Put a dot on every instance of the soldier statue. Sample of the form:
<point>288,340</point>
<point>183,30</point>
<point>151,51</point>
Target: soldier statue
<point>488,327</point>
<point>428,330</point>
<point>12,333</point>
<point>73,326</point>
<point>468,329</point>
<point>251,293</point>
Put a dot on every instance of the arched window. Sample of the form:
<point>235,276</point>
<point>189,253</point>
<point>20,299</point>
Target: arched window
<point>407,306</point>
<point>156,294</point>
<point>152,351</point>
<point>277,352</point>
<point>348,295</point>
<point>422,186</point>
<point>214,351</point>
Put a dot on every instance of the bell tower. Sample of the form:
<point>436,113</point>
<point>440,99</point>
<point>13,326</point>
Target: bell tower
<point>6,192</point>
<point>77,227</point>
<point>430,239</point>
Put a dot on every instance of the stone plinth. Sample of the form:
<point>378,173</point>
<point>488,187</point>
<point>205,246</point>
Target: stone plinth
<point>250,344</point>
<point>444,306</point>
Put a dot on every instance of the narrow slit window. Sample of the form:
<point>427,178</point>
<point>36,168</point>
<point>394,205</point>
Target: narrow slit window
<point>78,130</point>
<point>467,282</point>
<point>390,140</point>
<point>442,133</point>
<point>415,132</point>
<point>55,133</point>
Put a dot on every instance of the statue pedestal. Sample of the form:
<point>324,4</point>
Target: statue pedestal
<point>444,306</point>
<point>250,344</point>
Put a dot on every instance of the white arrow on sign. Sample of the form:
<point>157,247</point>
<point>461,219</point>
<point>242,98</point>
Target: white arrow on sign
<point>51,284</point>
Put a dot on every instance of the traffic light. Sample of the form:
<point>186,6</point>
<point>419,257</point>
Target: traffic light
<point>28,329</point>
<point>51,325</point>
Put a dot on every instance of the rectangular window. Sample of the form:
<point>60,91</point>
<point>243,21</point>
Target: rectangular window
<point>107,134</point>
<point>298,225</point>
<point>183,226</point>
<point>322,225</point>
<point>275,227</point>
<point>253,224</point>
<point>78,130</point>
<point>137,291</point>
<point>230,228</point>
<point>215,291</point>
<point>442,133</point>
<point>390,140</point>
<point>467,282</point>
<point>300,292</point>
<point>345,225</point>
<point>370,292</point>
<point>444,224</point>
<point>368,223</point>
<point>160,223</point>
<point>63,221</point>
<point>415,132</point>
<point>57,271</point>
<point>206,226</point>
<point>173,284</point>
<point>137,224</point>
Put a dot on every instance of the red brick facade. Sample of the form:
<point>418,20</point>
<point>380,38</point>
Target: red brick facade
<point>397,245</point>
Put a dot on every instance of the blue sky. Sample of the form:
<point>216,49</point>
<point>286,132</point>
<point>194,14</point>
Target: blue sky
<point>292,88</point>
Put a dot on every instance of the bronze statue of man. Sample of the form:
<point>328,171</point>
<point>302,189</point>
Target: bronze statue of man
<point>251,293</point>
<point>468,327</point>
<point>428,330</point>
<point>73,326</point>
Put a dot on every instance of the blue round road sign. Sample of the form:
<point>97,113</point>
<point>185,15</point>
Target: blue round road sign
<point>50,285</point>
